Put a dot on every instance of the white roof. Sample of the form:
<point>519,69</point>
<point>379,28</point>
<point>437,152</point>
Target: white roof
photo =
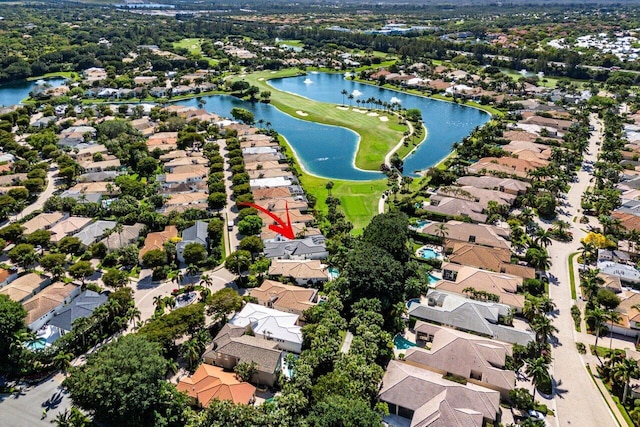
<point>278,181</point>
<point>269,322</point>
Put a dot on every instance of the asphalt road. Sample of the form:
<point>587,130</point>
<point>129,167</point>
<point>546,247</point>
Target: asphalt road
<point>25,409</point>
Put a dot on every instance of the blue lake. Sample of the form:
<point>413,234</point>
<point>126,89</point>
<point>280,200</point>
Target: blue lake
<point>327,151</point>
<point>14,93</point>
<point>446,122</point>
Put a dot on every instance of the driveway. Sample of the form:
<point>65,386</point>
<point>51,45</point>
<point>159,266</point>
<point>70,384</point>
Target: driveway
<point>25,409</point>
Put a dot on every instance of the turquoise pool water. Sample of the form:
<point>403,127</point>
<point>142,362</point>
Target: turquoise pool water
<point>402,343</point>
<point>39,344</point>
<point>433,279</point>
<point>429,253</point>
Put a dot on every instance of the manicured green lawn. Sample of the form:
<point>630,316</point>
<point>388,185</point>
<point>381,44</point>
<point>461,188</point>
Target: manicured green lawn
<point>65,74</point>
<point>194,46</point>
<point>293,43</point>
<point>572,277</point>
<point>377,137</point>
<point>359,199</point>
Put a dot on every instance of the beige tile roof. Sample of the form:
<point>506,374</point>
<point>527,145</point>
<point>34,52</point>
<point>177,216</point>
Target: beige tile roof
<point>503,285</point>
<point>100,187</point>
<point>157,239</point>
<point>46,300</point>
<point>257,165</point>
<point>213,383</point>
<point>294,215</point>
<point>186,198</point>
<point>42,221</point>
<point>277,205</point>
<point>460,353</point>
<point>287,298</point>
<point>271,193</point>
<point>23,287</point>
<point>482,234</point>
<point>68,226</point>
<point>307,269</point>
<point>437,402</point>
<point>494,259</point>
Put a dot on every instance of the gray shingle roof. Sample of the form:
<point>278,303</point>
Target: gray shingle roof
<point>313,247</point>
<point>248,348</point>
<point>82,306</point>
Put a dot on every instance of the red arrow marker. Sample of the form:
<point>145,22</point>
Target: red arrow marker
<point>283,228</point>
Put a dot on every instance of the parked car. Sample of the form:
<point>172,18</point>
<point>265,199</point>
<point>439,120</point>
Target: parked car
<point>536,415</point>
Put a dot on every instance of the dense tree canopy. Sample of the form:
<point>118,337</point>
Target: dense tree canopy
<point>123,385</point>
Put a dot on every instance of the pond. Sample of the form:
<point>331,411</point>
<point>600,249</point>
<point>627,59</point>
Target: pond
<point>446,122</point>
<point>326,151</point>
<point>14,93</point>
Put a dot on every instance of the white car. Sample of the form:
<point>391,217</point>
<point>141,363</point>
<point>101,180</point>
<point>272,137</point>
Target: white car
<point>536,415</point>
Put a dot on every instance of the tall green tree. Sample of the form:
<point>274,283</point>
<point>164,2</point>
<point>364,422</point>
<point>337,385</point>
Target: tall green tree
<point>12,316</point>
<point>123,384</point>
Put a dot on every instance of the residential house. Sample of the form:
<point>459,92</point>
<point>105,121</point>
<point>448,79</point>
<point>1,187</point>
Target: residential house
<point>629,324</point>
<point>451,207</point>
<point>271,324</point>
<point>94,74</point>
<point>197,233</point>
<point>552,124</point>
<point>43,221</point>
<point>480,195</point>
<point>480,234</point>
<point>24,287</point>
<point>100,176</point>
<point>212,383</point>
<point>232,346</point>
<point>479,360</point>
<point>312,247</point>
<point>519,168</point>
<point>464,314</point>
<point>196,199</point>
<point>626,273</point>
<point>7,276</point>
<point>127,236</point>
<point>82,306</point>
<point>505,185</point>
<point>424,398</point>
<point>295,217</point>
<point>163,141</point>
<point>493,259</point>
<point>157,240</point>
<point>86,154</point>
<point>42,306</point>
<point>303,272</point>
<point>104,188</point>
<point>459,279</point>
<point>101,166</point>
<point>94,231</point>
<point>285,298</point>
<point>67,227</point>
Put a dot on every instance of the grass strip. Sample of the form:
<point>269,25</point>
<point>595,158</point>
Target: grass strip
<point>572,277</point>
<point>603,396</point>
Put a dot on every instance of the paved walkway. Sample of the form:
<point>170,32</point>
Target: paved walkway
<point>577,400</point>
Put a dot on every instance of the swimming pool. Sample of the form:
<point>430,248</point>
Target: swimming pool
<point>402,343</point>
<point>433,279</point>
<point>38,344</point>
<point>429,253</point>
<point>422,223</point>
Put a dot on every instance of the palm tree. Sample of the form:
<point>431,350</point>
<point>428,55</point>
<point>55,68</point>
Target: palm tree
<point>590,283</point>
<point>134,314</point>
<point>190,350</point>
<point>612,317</point>
<point>62,361</point>
<point>158,302</point>
<point>206,279</point>
<point>622,372</point>
<point>540,260</point>
<point>542,237</point>
<point>350,98</point>
<point>596,317</point>
<point>543,328</point>
<point>538,371</point>
<point>192,270</point>
<point>119,228</point>
<point>442,231</point>
<point>343,93</point>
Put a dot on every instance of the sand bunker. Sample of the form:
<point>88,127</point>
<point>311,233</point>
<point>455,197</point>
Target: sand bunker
<point>384,118</point>
<point>261,79</point>
<point>342,108</point>
<point>355,110</point>
<point>301,113</point>
<point>372,114</point>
